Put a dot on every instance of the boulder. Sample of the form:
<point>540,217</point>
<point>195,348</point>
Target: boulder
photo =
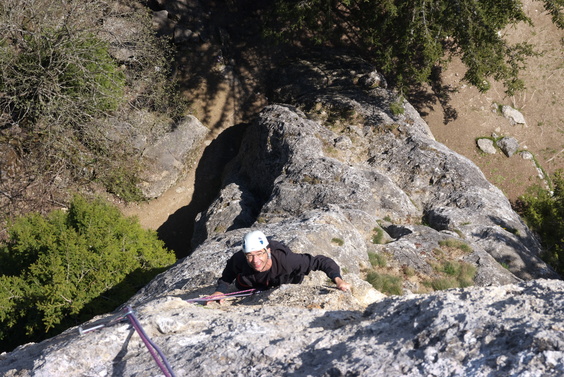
<point>486,145</point>
<point>515,116</point>
<point>170,156</point>
<point>508,145</point>
<point>504,330</point>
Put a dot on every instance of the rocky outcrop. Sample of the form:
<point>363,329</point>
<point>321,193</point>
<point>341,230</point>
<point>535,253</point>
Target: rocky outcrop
<point>348,170</point>
<point>342,153</point>
<point>168,159</point>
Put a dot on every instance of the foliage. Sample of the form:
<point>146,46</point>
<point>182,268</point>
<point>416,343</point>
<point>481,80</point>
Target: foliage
<point>338,241</point>
<point>385,283</point>
<point>378,236</point>
<point>456,244</point>
<point>73,94</point>
<point>407,39</point>
<point>452,274</point>
<point>66,267</point>
<point>396,107</point>
<point>58,76</point>
<point>53,68</point>
<point>543,211</point>
<point>377,260</point>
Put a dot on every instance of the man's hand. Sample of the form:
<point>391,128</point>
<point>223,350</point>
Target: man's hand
<point>342,285</point>
<point>216,294</point>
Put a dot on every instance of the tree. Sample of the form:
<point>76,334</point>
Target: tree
<point>61,269</point>
<point>408,39</point>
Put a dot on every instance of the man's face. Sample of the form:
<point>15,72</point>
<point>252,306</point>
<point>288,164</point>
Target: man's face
<point>258,259</point>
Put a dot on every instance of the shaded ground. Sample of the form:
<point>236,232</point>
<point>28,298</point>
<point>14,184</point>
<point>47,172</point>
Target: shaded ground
<point>222,77</point>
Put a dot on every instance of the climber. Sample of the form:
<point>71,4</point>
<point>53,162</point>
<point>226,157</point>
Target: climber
<point>263,264</point>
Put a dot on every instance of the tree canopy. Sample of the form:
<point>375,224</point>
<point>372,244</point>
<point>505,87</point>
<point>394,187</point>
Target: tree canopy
<point>407,39</point>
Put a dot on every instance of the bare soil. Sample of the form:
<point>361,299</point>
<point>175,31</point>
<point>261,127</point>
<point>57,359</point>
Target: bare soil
<point>540,103</point>
<point>222,85</point>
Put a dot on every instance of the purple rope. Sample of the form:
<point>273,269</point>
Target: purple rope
<point>152,347</point>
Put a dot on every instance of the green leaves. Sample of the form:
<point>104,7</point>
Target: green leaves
<point>406,39</point>
<point>55,269</point>
<point>544,213</point>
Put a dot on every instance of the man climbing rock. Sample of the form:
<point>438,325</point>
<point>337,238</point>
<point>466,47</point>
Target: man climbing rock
<point>263,264</point>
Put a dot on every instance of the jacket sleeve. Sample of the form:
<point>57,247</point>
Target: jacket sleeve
<point>227,276</point>
<point>325,264</point>
<point>304,263</point>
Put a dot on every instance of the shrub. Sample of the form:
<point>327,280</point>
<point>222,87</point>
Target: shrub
<point>68,266</point>
<point>440,284</point>
<point>377,260</point>
<point>64,77</point>
<point>338,241</point>
<point>456,244</point>
<point>61,82</point>
<point>397,107</point>
<point>459,274</point>
<point>378,236</point>
<point>388,284</point>
<point>544,213</point>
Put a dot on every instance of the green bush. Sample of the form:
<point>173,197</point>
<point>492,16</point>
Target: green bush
<point>76,100</point>
<point>544,213</point>
<point>59,76</point>
<point>456,244</point>
<point>453,274</point>
<point>388,284</point>
<point>338,241</point>
<point>378,235</point>
<point>440,284</point>
<point>62,269</point>
<point>377,260</point>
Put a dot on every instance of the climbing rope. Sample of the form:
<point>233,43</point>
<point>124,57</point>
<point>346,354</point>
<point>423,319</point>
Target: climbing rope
<point>155,352</point>
<point>151,346</point>
<point>224,296</point>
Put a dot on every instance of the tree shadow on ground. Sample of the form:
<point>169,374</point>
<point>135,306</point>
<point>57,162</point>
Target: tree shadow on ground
<point>423,98</point>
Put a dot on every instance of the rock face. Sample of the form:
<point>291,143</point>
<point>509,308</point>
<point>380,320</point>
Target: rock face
<point>343,155</point>
<point>339,173</point>
<point>169,157</point>
<point>491,331</point>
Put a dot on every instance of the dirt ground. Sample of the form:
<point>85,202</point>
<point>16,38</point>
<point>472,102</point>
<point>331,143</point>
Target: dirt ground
<point>219,95</point>
<point>541,104</point>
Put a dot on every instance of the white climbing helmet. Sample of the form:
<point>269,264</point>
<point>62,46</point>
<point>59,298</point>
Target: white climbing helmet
<point>253,241</point>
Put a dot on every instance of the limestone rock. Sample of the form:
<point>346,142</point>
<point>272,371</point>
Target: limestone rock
<point>508,145</point>
<point>515,116</point>
<point>486,146</point>
<point>168,158</point>
<point>505,330</point>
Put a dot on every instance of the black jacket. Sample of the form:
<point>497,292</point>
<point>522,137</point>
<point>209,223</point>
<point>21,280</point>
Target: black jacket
<point>287,268</point>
